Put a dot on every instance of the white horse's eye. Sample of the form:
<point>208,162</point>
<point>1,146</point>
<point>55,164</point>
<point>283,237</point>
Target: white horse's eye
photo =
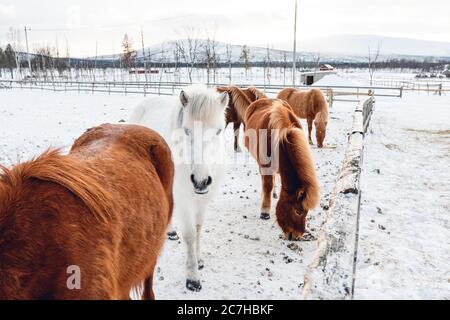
<point>187,131</point>
<point>219,131</point>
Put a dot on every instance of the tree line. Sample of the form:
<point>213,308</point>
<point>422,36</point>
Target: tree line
<point>189,54</point>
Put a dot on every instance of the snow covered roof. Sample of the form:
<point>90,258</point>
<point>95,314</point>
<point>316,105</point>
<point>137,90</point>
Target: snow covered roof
<point>336,80</point>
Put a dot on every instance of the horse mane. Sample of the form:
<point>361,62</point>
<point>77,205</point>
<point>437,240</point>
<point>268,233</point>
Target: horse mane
<point>53,167</point>
<point>292,141</point>
<point>203,103</point>
<point>256,93</point>
<point>238,99</point>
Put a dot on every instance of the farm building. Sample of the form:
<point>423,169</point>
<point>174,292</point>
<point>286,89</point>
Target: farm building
<point>326,67</point>
<point>311,77</point>
<point>446,73</point>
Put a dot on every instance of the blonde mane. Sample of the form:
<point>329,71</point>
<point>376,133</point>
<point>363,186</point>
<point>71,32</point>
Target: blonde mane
<point>51,166</point>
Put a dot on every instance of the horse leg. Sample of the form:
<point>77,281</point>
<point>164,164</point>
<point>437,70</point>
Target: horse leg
<point>310,126</point>
<point>190,238</point>
<point>236,128</point>
<point>275,194</point>
<point>267,186</point>
<point>198,229</point>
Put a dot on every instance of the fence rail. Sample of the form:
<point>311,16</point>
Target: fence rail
<point>168,88</point>
<point>331,275</point>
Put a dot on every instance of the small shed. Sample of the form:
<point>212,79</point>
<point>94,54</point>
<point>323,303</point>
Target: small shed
<point>446,73</point>
<point>311,77</point>
<point>326,67</point>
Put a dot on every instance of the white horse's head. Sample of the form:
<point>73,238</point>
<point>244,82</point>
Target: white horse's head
<point>199,127</point>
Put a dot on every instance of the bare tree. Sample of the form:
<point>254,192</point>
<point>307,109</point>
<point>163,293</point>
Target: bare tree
<point>229,57</point>
<point>208,58</point>
<point>128,52</point>
<point>14,38</point>
<point>317,59</point>
<point>245,58</point>
<point>267,66</point>
<point>189,50</point>
<point>372,59</point>
<point>144,56</point>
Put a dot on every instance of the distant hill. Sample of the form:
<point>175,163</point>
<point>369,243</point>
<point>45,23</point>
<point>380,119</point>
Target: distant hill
<point>352,48</point>
<point>358,45</point>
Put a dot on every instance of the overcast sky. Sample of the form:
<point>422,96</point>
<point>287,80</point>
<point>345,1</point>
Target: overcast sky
<point>255,22</point>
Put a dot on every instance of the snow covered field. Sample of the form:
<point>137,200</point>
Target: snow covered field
<point>404,245</point>
<point>244,256</point>
<point>404,236</point>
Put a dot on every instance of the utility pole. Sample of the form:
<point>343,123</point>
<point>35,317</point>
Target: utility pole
<point>28,51</point>
<point>294,64</point>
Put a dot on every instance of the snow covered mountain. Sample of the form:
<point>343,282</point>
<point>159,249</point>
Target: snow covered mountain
<point>340,48</point>
<point>358,45</point>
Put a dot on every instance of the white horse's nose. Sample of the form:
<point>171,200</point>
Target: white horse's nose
<point>201,186</point>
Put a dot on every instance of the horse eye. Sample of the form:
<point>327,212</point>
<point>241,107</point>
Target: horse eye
<point>219,131</point>
<point>187,131</point>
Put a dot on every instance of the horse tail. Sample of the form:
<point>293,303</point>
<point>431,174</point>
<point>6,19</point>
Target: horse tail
<point>53,167</point>
<point>320,105</point>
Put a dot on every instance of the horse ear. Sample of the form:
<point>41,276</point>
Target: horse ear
<point>184,98</point>
<point>224,99</point>
<point>300,195</point>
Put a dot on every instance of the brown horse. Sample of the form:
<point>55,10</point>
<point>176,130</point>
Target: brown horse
<point>240,100</point>
<point>275,138</point>
<point>310,105</point>
<point>88,225</point>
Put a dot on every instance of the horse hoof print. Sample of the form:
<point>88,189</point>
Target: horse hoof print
<point>265,216</point>
<point>193,285</point>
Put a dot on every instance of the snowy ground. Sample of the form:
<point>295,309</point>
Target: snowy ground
<point>244,256</point>
<point>404,245</point>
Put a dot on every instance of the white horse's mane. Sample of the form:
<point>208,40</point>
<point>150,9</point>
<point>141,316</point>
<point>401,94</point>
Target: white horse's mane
<point>202,105</point>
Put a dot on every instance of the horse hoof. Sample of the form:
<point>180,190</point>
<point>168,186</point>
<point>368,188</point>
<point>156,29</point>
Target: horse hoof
<point>173,236</point>
<point>193,285</point>
<point>237,150</point>
<point>201,264</point>
<point>265,216</point>
<point>275,195</point>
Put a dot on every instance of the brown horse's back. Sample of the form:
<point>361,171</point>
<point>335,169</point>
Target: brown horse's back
<point>103,208</point>
<point>305,103</point>
<point>267,114</point>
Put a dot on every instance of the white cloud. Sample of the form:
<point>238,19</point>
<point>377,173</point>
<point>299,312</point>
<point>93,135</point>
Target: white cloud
<point>88,22</point>
<point>7,10</point>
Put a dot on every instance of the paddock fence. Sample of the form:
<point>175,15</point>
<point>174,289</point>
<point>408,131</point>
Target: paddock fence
<point>331,274</point>
<point>333,93</point>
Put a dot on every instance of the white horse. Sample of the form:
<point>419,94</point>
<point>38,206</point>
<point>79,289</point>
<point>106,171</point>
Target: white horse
<point>193,126</point>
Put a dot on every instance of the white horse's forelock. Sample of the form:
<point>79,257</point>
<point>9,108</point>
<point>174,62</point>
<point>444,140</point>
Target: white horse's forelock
<point>203,105</point>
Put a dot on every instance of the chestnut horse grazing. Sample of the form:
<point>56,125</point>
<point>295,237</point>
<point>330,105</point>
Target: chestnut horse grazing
<point>240,100</point>
<point>275,138</point>
<point>310,105</point>
<point>90,224</point>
